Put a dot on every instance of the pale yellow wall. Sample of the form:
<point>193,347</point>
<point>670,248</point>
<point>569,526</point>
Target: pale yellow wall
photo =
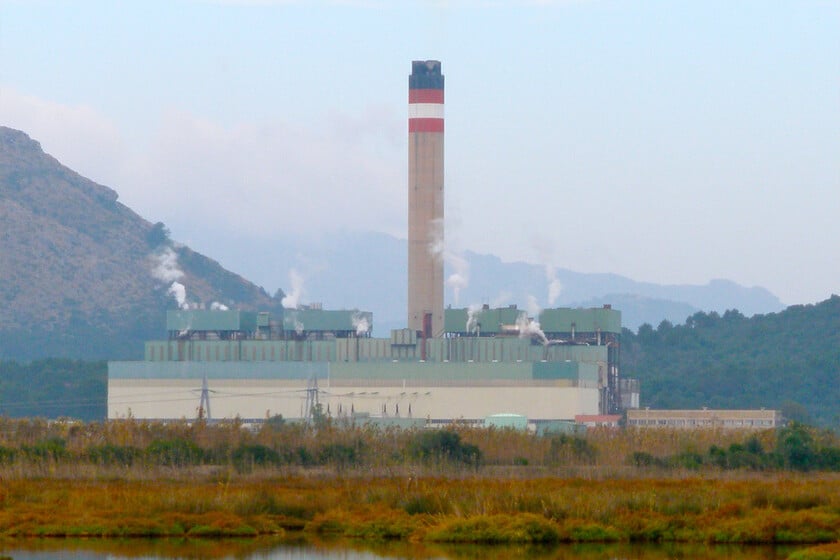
<point>178,398</point>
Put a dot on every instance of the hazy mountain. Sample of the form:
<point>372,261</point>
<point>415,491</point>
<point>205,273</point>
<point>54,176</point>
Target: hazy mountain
<point>368,270</point>
<point>81,275</point>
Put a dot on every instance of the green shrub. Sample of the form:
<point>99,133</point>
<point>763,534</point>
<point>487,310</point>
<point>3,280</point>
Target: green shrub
<point>110,454</point>
<point>7,455</point>
<point>54,448</point>
<point>174,453</point>
<point>247,456</point>
<point>443,446</point>
<point>339,455</point>
<point>565,449</point>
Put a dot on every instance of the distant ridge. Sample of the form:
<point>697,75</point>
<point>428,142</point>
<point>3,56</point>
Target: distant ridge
<point>77,268</point>
<point>368,270</point>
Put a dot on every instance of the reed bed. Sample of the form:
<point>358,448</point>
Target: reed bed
<point>768,510</point>
<point>139,479</point>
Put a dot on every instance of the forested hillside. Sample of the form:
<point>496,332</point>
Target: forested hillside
<point>82,275</point>
<point>788,360</point>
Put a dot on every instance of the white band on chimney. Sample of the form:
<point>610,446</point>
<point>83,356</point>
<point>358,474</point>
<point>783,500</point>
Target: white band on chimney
<point>425,110</point>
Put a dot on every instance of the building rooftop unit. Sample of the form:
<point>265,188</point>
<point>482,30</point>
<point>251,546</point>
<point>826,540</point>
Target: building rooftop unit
<point>566,323</point>
<point>305,321</point>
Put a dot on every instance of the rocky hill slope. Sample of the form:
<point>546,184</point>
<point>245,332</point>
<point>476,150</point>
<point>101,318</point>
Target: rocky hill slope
<point>82,275</point>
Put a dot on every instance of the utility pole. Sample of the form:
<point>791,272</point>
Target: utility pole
<point>204,403</point>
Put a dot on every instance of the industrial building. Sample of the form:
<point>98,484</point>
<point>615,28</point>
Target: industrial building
<point>466,364</point>
<point>249,365</point>
<point>705,418</point>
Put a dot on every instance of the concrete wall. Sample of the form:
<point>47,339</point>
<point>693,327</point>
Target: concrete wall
<point>258,398</point>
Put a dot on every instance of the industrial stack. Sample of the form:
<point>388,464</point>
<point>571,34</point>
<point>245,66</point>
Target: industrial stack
<point>472,365</point>
<point>425,198</point>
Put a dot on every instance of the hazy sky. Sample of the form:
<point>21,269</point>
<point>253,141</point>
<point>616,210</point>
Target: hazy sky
<point>672,142</point>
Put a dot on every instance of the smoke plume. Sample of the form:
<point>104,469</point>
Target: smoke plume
<point>472,317</point>
<point>166,269</point>
<point>292,300</point>
<point>216,306</point>
<point>459,279</point>
<point>166,266</point>
<point>179,292</point>
<point>361,324</point>
<point>530,327</point>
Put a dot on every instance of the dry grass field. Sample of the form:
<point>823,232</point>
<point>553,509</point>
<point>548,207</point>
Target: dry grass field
<point>134,479</point>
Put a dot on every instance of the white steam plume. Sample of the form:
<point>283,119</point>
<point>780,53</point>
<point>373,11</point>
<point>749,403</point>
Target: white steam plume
<point>216,306</point>
<point>292,300</point>
<point>166,266</point>
<point>179,292</point>
<point>531,327</point>
<point>546,249</point>
<point>472,317</point>
<point>436,244</point>
<point>460,277</point>
<point>361,324</point>
<point>166,269</point>
<point>533,308</point>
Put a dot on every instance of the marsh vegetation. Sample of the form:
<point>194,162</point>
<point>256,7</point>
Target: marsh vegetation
<point>458,485</point>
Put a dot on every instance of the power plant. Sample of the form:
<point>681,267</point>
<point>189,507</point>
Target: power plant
<point>466,364</point>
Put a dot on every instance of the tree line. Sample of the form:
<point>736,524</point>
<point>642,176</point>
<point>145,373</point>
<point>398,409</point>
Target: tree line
<point>788,360</point>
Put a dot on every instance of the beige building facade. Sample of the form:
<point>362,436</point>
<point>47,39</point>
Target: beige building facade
<point>705,418</point>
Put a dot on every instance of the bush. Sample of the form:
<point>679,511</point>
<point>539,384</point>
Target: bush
<point>248,456</point>
<point>797,448</point>
<point>339,455</point>
<point>110,454</point>
<point>565,449</point>
<point>643,459</point>
<point>443,446</point>
<point>51,448</point>
<point>174,453</point>
<point>686,460</point>
<point>7,455</point>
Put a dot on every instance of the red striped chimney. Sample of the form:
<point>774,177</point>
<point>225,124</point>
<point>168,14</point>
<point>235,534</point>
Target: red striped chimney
<point>425,198</point>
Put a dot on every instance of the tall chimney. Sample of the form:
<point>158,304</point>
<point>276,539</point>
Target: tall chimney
<point>425,198</point>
